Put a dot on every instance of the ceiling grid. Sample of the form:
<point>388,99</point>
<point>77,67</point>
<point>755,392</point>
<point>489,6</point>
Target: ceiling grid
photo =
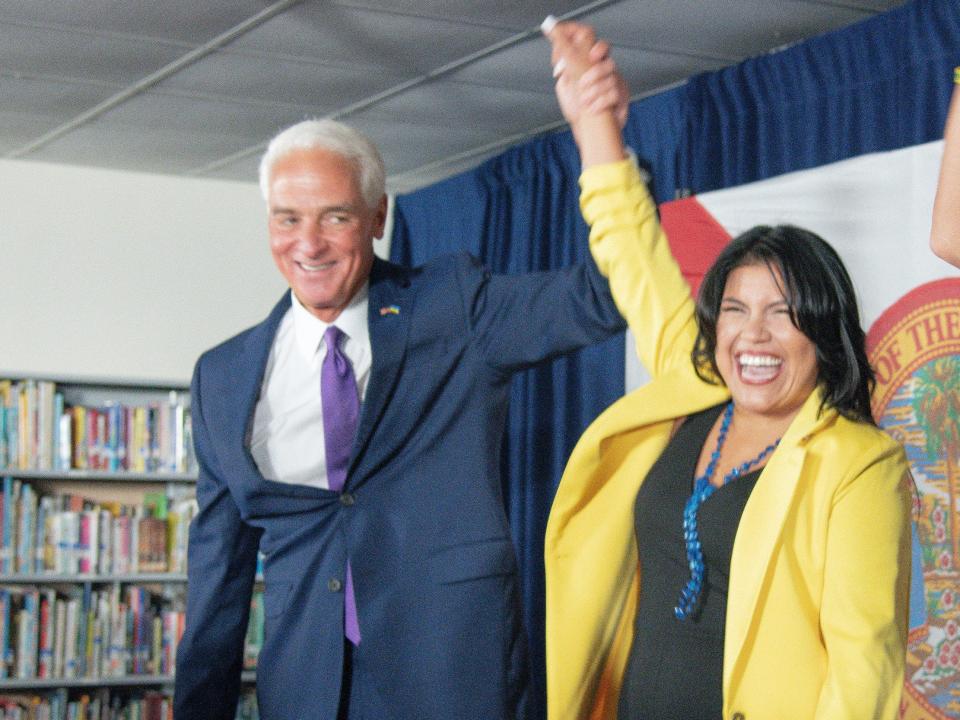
<point>439,85</point>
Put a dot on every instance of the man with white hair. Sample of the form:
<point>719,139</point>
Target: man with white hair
<point>353,437</point>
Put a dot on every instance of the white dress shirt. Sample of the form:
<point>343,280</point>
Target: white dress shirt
<point>287,442</point>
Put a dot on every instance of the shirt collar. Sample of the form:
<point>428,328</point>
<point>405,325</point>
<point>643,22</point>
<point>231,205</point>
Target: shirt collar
<point>308,329</point>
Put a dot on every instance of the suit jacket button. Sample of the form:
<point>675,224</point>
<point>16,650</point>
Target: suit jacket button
<point>346,499</point>
<point>334,585</point>
<point>738,716</point>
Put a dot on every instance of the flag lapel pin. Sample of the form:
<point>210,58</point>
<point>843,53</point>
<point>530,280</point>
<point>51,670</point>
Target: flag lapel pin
<point>390,310</point>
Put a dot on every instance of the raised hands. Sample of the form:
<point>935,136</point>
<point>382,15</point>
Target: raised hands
<point>592,94</point>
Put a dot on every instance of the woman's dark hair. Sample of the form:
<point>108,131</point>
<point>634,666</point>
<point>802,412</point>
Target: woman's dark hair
<point>823,306</point>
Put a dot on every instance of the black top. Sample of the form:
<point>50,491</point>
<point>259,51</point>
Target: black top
<point>675,669</point>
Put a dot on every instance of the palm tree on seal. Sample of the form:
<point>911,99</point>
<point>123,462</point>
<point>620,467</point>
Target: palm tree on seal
<point>936,404</point>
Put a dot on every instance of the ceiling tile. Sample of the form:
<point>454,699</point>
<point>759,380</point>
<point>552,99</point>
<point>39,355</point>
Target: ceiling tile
<point>56,99</point>
<point>510,15</point>
<point>125,147</point>
<point>525,67</point>
<point>74,54</point>
<point>406,145</point>
<point>647,72</point>
<point>184,20</point>
<point>260,77</point>
<point>246,123</point>
<point>34,106</point>
<point>336,34</point>
<point>733,29</point>
<point>448,104</point>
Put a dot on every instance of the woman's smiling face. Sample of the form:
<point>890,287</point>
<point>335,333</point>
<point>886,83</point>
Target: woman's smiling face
<point>769,366</point>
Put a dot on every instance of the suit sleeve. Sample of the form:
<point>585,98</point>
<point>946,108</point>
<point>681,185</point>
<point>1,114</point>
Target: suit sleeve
<point>222,557</point>
<point>517,321</point>
<point>866,592</point>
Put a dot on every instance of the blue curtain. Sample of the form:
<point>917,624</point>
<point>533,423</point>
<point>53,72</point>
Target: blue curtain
<point>878,85</point>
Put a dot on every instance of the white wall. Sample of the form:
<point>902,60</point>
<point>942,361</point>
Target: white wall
<point>125,275</point>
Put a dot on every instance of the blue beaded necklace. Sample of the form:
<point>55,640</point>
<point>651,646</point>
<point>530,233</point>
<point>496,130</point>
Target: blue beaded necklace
<point>689,602</point>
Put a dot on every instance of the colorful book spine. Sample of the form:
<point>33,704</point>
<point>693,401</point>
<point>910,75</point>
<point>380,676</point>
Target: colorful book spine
<point>26,534</point>
<point>27,408</point>
<point>28,620</point>
<point>104,563</point>
<point>71,663</point>
<point>44,505</point>
<point>6,549</point>
<point>61,434</point>
<point>59,638</point>
<point>6,654</point>
<point>48,629</point>
<point>100,439</point>
<point>5,454</point>
<point>45,424</point>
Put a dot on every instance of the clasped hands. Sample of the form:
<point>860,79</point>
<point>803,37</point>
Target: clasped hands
<point>587,79</point>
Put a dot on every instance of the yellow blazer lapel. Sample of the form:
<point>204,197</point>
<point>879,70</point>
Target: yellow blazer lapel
<point>759,533</point>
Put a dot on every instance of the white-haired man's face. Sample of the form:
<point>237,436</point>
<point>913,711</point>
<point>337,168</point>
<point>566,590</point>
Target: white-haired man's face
<point>321,229</point>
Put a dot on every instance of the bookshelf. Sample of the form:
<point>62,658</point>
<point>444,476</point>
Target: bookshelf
<point>247,676</point>
<point>96,495</point>
<point>105,476</point>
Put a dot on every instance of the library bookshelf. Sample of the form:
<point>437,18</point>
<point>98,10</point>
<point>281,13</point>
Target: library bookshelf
<point>97,490</point>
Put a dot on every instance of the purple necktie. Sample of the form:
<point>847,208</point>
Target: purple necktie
<point>341,407</point>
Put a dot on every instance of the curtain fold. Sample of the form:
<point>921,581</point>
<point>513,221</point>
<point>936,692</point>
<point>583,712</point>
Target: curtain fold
<point>879,85</point>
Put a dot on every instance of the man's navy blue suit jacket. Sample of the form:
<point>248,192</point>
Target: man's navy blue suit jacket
<point>421,518</point>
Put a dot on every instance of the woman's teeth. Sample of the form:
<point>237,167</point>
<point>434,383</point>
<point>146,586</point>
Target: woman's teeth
<point>759,368</point>
<point>759,360</point>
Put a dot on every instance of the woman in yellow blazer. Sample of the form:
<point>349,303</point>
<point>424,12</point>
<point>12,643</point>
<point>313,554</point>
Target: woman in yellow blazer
<point>815,613</point>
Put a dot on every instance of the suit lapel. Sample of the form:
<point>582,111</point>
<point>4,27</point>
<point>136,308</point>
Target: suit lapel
<point>390,308</point>
<point>760,530</point>
<point>248,377</point>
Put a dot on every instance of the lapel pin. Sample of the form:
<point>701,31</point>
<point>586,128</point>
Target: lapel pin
<point>390,310</point>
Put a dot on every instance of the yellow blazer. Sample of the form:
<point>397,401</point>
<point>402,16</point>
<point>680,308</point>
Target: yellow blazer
<point>816,618</point>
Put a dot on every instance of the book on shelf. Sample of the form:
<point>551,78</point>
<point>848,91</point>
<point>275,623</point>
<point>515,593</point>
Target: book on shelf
<point>89,632</point>
<point>82,629</point>
<point>39,430</point>
<point>99,632</point>
<point>68,534</point>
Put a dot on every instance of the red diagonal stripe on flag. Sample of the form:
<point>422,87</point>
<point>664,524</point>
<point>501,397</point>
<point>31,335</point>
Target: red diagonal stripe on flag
<point>695,236</point>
